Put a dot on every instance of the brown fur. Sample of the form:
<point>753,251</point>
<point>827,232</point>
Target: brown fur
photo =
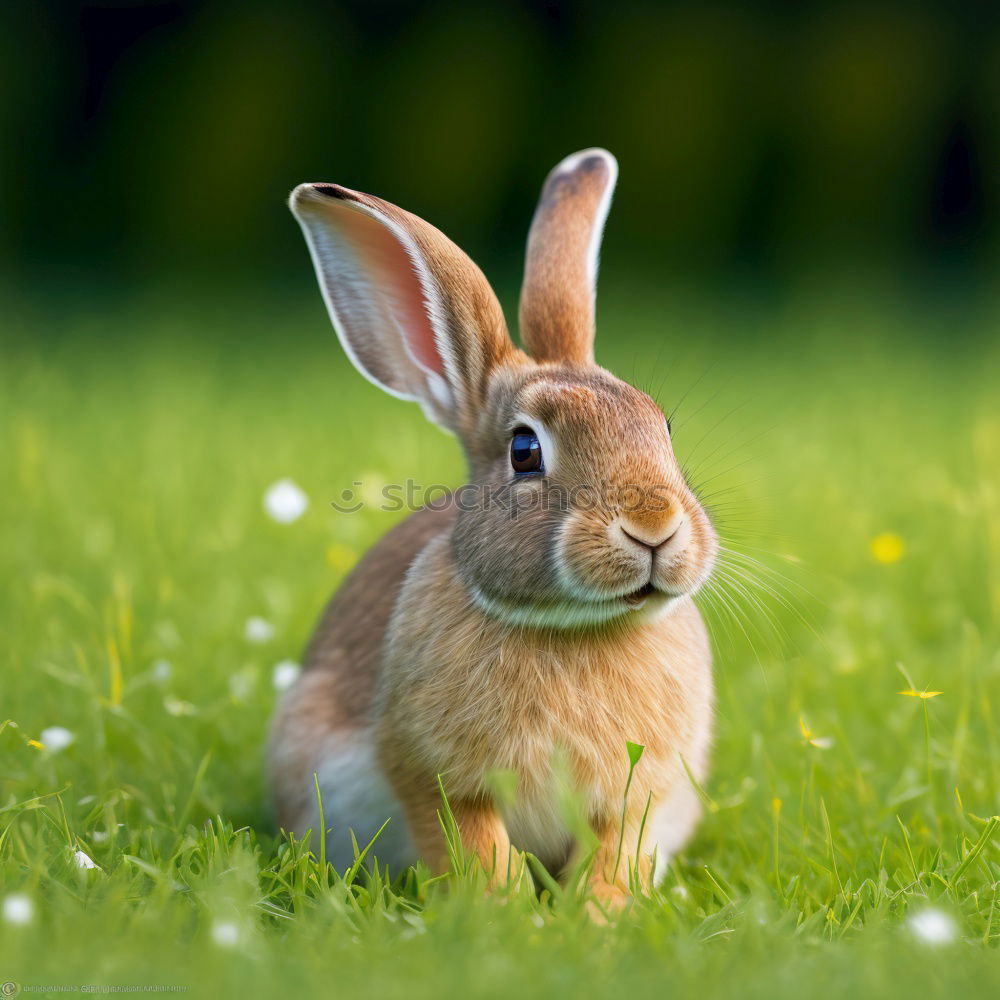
<point>464,695</point>
<point>467,300</point>
<point>336,690</point>
<point>507,636</point>
<point>556,314</point>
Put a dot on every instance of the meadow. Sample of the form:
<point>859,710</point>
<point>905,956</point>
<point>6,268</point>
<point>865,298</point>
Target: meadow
<point>849,449</point>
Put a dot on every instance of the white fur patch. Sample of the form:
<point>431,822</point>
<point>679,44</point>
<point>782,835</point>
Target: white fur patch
<point>670,825</point>
<point>538,827</point>
<point>564,614</point>
<point>356,796</point>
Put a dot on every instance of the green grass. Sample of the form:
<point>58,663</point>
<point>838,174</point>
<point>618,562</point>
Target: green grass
<point>132,531</point>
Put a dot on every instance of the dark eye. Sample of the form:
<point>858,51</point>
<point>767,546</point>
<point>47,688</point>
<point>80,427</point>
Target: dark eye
<point>525,452</point>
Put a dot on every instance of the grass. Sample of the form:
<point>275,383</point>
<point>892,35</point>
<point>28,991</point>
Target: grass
<point>852,455</point>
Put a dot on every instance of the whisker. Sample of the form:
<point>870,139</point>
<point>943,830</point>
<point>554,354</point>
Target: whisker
<point>711,430</point>
<point>736,615</point>
<point>743,589</point>
<point>711,399</point>
<point>739,446</point>
<point>761,566</point>
<point>780,590</point>
<point>690,389</point>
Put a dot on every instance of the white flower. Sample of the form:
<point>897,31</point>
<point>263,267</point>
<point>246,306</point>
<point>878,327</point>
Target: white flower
<point>285,501</point>
<point>241,685</point>
<point>18,909</point>
<point>56,738</point>
<point>225,934</point>
<point>284,674</point>
<point>933,927</point>
<point>177,708</point>
<point>85,861</point>
<point>162,671</point>
<point>258,629</point>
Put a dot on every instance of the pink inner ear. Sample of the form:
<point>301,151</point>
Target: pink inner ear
<point>394,273</point>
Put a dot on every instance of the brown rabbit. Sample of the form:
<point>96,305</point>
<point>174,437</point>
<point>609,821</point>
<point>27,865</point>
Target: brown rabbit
<point>546,611</point>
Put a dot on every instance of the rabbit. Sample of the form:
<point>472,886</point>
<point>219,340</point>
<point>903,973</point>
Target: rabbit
<point>544,614</point>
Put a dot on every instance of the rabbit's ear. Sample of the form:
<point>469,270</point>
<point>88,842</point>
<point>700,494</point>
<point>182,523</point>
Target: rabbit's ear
<point>414,314</point>
<point>560,273</point>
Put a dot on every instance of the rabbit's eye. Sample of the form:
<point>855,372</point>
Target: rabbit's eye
<point>525,452</point>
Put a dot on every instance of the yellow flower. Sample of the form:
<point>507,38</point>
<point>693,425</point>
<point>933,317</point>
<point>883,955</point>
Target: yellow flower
<point>808,736</point>
<point>887,548</point>
<point>37,744</point>
<point>921,694</point>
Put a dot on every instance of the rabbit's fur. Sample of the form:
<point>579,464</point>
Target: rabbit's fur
<point>515,629</point>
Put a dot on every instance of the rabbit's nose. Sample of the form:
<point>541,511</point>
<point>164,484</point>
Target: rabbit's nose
<point>656,535</point>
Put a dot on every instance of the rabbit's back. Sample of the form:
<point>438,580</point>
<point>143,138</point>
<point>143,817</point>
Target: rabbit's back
<point>348,639</point>
<point>322,723</point>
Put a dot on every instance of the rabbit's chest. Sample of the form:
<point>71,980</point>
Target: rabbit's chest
<point>538,716</point>
<point>544,731</point>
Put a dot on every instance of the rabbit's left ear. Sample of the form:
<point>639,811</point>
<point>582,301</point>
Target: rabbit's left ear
<point>560,269</point>
<point>413,312</point>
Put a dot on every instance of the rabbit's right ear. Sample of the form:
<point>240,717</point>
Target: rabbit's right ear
<point>413,312</point>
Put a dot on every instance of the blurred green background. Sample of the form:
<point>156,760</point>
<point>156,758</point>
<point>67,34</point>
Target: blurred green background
<point>800,265</point>
<point>153,143</point>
